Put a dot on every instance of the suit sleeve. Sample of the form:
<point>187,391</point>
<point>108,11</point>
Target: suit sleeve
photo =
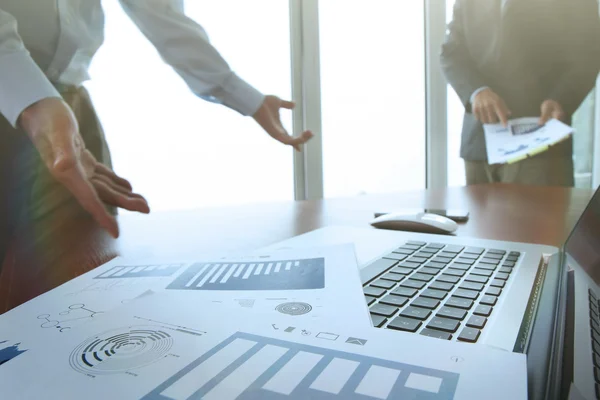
<point>22,82</point>
<point>457,64</point>
<point>185,46</point>
<point>581,50</point>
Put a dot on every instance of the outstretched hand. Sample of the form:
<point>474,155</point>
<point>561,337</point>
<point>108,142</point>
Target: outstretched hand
<point>551,109</point>
<point>53,129</point>
<point>269,119</point>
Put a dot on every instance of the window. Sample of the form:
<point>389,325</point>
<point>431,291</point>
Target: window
<point>373,96</point>
<point>178,150</point>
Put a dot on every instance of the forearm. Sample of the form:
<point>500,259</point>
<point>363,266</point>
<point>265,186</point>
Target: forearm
<point>22,83</point>
<point>184,45</point>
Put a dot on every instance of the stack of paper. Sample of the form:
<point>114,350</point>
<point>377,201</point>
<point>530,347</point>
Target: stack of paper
<point>522,138</point>
<point>277,325</point>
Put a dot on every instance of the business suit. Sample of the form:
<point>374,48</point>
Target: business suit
<point>526,51</point>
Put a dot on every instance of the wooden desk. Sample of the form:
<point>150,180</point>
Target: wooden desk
<point>41,259</point>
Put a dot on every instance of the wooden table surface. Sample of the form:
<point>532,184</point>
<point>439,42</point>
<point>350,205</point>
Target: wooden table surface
<point>43,257</point>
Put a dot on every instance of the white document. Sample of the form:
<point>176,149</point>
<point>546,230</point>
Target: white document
<point>299,284</point>
<point>522,138</point>
<point>159,347</point>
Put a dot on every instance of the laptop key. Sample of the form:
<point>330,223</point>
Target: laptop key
<point>463,260</point>
<point>488,267</point>
<point>444,253</point>
<point>373,291</point>
<point>406,252</point>
<point>434,264</point>
<point>381,283</point>
<point>411,246</point>
<point>436,334</point>
<point>454,272</point>
<point>469,335</point>
<point>383,309</point>
<point>467,294</point>
<point>409,264</point>
<point>394,300</point>
<point>443,324</point>
<point>469,256</point>
<point>404,291</point>
<point>596,360</point>
<point>502,275</point>
<point>476,278</point>
<point>370,300</point>
<point>416,312</point>
<point>428,250</point>
<point>394,256</point>
<point>476,322</point>
<point>405,324</point>
<point>474,250</point>
<point>488,300</point>
<point>497,283</point>
<point>448,278</point>
<point>453,313</point>
<point>422,254</point>
<point>506,270</point>
<point>496,251</point>
<point>421,277</point>
<point>458,302</point>
<point>597,375</point>
<point>410,283</point>
<point>424,302</point>
<point>436,245</point>
<point>434,294</point>
<point>493,256</point>
<point>439,285</point>
<point>489,261</point>
<point>454,248</point>
<point>378,320</point>
<point>514,253</point>
<point>511,259</point>
<point>472,286</point>
<point>401,270</point>
<point>429,271</point>
<point>508,264</point>
<point>493,291</point>
<point>391,276</point>
<point>482,272</point>
<point>419,260</point>
<point>483,310</point>
<point>415,243</point>
<point>596,347</point>
<point>445,260</point>
<point>462,267</point>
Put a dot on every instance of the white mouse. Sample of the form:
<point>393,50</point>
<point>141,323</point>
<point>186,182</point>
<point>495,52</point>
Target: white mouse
<point>419,222</point>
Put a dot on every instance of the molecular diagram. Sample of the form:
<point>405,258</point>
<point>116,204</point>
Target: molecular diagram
<point>75,312</point>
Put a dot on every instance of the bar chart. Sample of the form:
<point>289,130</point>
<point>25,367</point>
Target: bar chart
<point>252,367</point>
<point>275,275</point>
<point>141,271</point>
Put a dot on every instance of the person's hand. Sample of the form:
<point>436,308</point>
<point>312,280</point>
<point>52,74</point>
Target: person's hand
<point>489,108</point>
<point>551,109</point>
<point>268,118</point>
<point>53,129</point>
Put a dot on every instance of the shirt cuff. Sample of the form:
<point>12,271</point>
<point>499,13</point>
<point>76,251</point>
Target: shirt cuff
<point>241,96</point>
<point>22,83</point>
<point>476,92</point>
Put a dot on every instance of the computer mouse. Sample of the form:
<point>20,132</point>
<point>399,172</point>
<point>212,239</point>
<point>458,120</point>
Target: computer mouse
<point>418,222</point>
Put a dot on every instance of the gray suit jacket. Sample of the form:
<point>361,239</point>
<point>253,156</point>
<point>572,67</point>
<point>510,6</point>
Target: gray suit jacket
<point>527,51</point>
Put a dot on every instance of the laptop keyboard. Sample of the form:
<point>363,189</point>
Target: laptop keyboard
<point>595,337</point>
<point>443,291</point>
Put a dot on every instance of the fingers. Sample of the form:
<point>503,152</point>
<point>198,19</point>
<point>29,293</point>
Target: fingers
<point>546,115</point>
<point>558,114</point>
<point>502,113</point>
<point>114,197</point>
<point>118,188</point>
<point>295,142</point>
<point>75,181</point>
<point>104,170</point>
<point>287,104</point>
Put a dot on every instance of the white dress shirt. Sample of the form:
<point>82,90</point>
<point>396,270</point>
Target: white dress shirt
<point>48,42</point>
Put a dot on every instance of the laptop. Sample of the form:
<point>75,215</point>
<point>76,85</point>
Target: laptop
<point>534,299</point>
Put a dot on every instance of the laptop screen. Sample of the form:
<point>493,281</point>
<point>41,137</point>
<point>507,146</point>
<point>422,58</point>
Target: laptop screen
<point>584,243</point>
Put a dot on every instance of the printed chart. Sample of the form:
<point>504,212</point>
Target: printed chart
<point>277,275</point>
<point>8,352</point>
<point>247,366</point>
<point>142,271</point>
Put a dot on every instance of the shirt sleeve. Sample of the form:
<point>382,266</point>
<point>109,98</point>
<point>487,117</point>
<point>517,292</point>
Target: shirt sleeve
<point>22,82</point>
<point>184,45</point>
<point>475,93</point>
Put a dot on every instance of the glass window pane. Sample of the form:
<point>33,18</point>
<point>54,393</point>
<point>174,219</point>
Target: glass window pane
<point>373,96</point>
<point>177,149</point>
<point>455,112</point>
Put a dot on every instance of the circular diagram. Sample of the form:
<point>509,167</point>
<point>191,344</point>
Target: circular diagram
<point>294,308</point>
<point>121,350</point>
